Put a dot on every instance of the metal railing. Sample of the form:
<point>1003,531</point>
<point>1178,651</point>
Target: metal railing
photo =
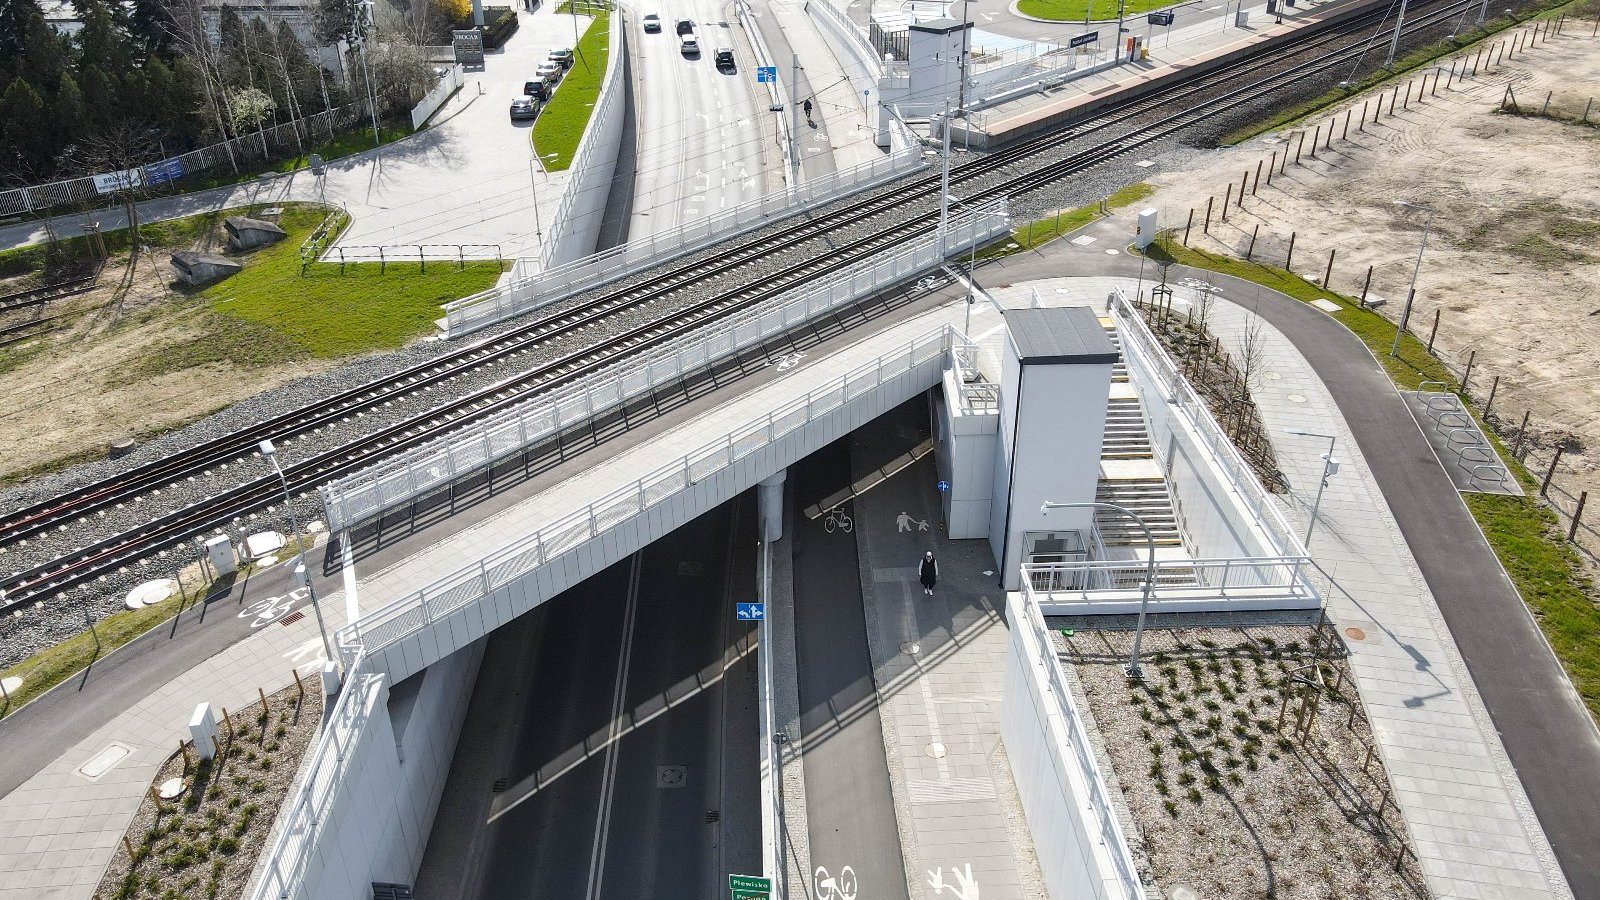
<point>1124,579</point>
<point>417,610</point>
<point>299,825</point>
<point>526,294</point>
<point>1143,351</point>
<point>394,482</point>
<point>1463,438</point>
<point>1031,627</point>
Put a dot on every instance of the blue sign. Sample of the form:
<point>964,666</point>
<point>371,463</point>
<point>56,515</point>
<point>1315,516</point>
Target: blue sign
<point>1159,18</point>
<point>1082,39</point>
<point>750,612</point>
<point>944,487</point>
<point>164,171</point>
<point>766,74</point>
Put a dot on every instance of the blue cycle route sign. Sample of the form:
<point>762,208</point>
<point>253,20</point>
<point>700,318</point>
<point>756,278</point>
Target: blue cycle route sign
<point>749,612</point>
<point>766,74</point>
<point>944,487</point>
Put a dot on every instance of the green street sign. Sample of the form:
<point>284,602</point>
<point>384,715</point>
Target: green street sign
<point>750,887</point>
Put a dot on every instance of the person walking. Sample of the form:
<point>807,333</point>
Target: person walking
<point>928,573</point>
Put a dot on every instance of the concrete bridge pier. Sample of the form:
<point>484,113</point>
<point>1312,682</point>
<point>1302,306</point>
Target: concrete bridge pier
<point>770,497</point>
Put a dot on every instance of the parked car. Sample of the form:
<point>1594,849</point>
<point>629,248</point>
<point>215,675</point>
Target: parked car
<point>549,71</point>
<point>537,89</point>
<point>652,22</point>
<point>685,26</point>
<point>724,58</point>
<point>562,55</point>
<point>524,107</point>
<point>688,44</point>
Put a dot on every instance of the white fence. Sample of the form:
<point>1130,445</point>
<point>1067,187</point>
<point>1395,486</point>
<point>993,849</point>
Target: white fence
<point>397,481</point>
<point>575,226</point>
<point>1109,586</point>
<point>319,783</point>
<point>417,610</point>
<point>525,294</point>
<point>1064,794</point>
<point>449,84</point>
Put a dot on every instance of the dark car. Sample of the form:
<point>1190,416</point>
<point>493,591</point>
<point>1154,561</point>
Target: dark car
<point>685,26</point>
<point>524,107</point>
<point>538,89</point>
<point>724,58</point>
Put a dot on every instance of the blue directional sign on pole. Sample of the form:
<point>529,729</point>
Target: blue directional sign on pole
<point>765,74</point>
<point>750,612</point>
<point>944,487</point>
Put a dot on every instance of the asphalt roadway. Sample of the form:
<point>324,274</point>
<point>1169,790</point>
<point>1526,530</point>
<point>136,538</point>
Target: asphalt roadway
<point>32,737</point>
<point>1548,734</point>
<point>854,838</point>
<point>669,805</point>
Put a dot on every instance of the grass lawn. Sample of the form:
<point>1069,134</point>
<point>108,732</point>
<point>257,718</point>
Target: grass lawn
<point>562,122</point>
<point>1421,58</point>
<point>1096,10</point>
<point>1524,533</point>
<point>1033,234</point>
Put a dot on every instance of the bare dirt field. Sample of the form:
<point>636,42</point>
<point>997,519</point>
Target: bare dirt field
<point>1513,260</point>
<point>97,378</point>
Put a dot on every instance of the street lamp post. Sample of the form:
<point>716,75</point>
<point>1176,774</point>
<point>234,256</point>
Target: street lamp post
<point>301,575</point>
<point>1394,42</point>
<point>1405,311</point>
<point>1329,467</point>
<point>972,264</point>
<point>1132,669</point>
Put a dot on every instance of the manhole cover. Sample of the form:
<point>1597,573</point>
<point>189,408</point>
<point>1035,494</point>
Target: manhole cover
<point>934,750</point>
<point>1273,376</point>
<point>1113,251</point>
<point>151,592</point>
<point>911,648</point>
<point>292,618</point>
<point>1355,634</point>
<point>170,789</point>
<point>671,776</point>
<point>102,762</point>
<point>1297,398</point>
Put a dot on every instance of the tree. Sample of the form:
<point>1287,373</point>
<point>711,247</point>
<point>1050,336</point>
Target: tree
<point>249,108</point>
<point>21,111</point>
<point>151,27</point>
<point>335,21</point>
<point>68,113</point>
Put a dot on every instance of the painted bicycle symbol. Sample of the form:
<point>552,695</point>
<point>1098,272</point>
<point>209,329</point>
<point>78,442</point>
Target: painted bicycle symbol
<point>270,610</point>
<point>844,887</point>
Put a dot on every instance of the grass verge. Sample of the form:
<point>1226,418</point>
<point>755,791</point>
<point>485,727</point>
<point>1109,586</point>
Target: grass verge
<point>561,123</point>
<point>1412,61</point>
<point>1523,533</point>
<point>1086,10</point>
<point>55,664</point>
<point>1065,222</point>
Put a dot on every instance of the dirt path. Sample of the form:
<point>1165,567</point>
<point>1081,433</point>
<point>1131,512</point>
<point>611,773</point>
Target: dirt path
<point>1513,262</point>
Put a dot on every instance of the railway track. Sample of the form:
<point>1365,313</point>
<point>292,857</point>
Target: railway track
<point>165,530</point>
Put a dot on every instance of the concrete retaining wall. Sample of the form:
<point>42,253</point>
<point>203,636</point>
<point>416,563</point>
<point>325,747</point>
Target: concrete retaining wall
<point>575,226</point>
<point>377,826</point>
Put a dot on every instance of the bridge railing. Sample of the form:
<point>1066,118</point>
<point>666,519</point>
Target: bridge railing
<point>421,608</point>
<point>526,294</point>
<point>434,466</point>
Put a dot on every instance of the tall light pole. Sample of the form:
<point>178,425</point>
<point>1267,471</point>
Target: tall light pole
<point>366,68</point>
<point>1132,669</point>
<point>972,264</point>
<point>300,573</point>
<point>1405,311</point>
<point>1329,467</point>
<point>533,185</point>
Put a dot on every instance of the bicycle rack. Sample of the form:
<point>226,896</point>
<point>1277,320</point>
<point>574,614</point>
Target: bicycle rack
<point>1461,434</point>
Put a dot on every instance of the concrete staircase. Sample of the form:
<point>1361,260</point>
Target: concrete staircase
<point>1146,497</point>
<point>1119,369</point>
<point>1125,435</point>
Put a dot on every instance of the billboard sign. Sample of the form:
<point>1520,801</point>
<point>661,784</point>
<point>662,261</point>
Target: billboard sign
<point>468,43</point>
<point>111,182</point>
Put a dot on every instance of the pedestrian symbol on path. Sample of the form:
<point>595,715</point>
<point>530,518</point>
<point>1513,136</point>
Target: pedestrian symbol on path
<point>749,612</point>
<point>904,522</point>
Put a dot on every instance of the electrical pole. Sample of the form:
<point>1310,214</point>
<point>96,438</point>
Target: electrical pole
<point>944,185</point>
<point>1394,42</point>
<point>794,115</point>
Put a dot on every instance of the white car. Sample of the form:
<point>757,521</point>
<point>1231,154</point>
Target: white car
<point>652,22</point>
<point>549,71</point>
<point>688,44</point>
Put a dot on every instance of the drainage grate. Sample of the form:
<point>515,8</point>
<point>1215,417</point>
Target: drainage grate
<point>292,618</point>
<point>500,784</point>
<point>713,816</point>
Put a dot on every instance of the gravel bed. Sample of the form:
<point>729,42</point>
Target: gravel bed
<point>22,636</point>
<point>204,844</point>
<point>1225,803</point>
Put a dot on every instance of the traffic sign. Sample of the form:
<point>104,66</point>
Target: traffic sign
<point>749,612</point>
<point>944,487</point>
<point>750,887</point>
<point>1082,39</point>
<point>765,74</point>
<point>1159,18</point>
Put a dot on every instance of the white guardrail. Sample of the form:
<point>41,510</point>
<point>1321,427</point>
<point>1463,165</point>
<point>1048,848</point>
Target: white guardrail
<point>394,482</point>
<point>528,291</point>
<point>417,610</point>
<point>1125,875</point>
<point>1124,579</point>
<point>1146,353</point>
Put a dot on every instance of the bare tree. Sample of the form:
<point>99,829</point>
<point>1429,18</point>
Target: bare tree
<point>1250,354</point>
<point>189,35</point>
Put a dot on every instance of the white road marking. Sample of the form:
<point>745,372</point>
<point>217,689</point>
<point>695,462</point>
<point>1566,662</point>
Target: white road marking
<point>608,784</point>
<point>965,888</point>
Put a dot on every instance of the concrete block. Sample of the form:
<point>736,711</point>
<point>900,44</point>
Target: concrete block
<point>245,233</point>
<point>201,269</point>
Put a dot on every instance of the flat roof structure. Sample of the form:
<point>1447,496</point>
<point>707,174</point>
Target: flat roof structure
<point>1057,335</point>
